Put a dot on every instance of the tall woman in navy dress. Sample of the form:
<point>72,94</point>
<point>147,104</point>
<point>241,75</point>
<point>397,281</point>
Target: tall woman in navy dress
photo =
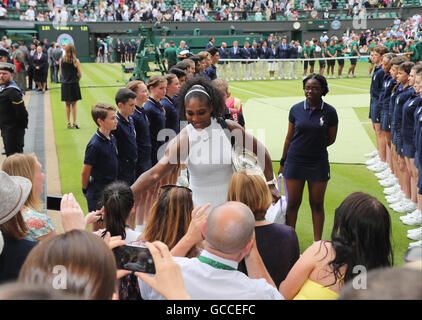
<point>143,141</point>
<point>170,105</point>
<point>312,128</point>
<point>156,85</point>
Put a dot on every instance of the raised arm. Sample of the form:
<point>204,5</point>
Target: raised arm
<point>176,152</point>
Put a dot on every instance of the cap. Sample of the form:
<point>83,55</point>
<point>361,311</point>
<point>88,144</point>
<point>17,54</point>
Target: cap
<point>7,66</point>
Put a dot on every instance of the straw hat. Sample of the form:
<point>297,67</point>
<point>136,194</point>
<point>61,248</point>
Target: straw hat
<point>14,191</point>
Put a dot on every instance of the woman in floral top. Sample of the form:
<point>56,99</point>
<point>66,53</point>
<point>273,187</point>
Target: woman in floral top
<point>27,165</point>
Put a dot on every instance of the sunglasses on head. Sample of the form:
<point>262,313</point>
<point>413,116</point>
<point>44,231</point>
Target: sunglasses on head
<point>171,186</point>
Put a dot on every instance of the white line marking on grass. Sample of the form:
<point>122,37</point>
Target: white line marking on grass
<point>251,92</point>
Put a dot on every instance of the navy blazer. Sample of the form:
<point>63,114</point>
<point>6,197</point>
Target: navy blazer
<point>236,55</point>
<point>283,51</point>
<point>223,54</point>
<point>263,52</point>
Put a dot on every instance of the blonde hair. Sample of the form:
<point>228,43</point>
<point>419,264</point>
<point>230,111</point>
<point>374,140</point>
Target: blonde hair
<point>24,165</point>
<point>134,85</point>
<point>249,188</point>
<point>70,54</point>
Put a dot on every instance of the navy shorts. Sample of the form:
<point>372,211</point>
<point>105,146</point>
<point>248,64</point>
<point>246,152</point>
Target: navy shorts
<point>353,61</point>
<point>419,181</point>
<point>375,113</point>
<point>331,63</point>
<point>321,63</point>
<point>93,195</point>
<point>385,121</point>
<point>415,161</point>
<point>409,150</point>
<point>340,62</point>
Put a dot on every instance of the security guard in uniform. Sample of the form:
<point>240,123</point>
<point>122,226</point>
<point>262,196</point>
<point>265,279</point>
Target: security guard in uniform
<point>13,114</point>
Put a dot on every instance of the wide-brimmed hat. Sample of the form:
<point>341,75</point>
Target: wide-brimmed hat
<point>14,191</point>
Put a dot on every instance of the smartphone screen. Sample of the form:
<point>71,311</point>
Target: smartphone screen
<point>53,202</point>
<point>134,258</point>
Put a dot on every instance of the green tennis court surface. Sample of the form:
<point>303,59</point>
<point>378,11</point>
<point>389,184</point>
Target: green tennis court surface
<point>267,118</point>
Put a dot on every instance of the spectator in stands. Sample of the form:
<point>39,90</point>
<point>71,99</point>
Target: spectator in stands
<point>249,188</point>
<point>39,224</point>
<point>228,239</point>
<point>360,237</point>
<point>14,191</point>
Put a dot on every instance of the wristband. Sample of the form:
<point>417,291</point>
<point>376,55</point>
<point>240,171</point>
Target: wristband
<point>282,161</point>
<point>84,191</point>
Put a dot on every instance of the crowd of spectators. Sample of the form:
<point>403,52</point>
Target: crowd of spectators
<point>63,11</point>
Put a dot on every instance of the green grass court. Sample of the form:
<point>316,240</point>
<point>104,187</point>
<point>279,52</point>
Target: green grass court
<point>266,105</point>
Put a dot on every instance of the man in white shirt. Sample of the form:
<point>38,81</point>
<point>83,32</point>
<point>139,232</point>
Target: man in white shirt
<point>30,14</point>
<point>213,275</point>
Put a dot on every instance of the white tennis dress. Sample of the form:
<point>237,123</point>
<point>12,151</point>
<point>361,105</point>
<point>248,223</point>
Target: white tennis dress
<point>209,164</point>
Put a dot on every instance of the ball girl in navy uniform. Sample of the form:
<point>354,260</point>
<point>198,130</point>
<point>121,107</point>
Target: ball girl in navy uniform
<point>404,93</point>
<point>155,111</point>
<point>407,132</point>
<point>170,105</point>
<point>143,142</point>
<point>377,53</point>
<point>312,128</point>
<point>395,62</point>
<point>384,103</point>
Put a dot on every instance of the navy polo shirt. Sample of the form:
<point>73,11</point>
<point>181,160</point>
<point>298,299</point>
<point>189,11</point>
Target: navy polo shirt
<point>387,87</point>
<point>156,115</point>
<point>310,136</point>
<point>172,113</point>
<point>392,105</point>
<point>408,116</point>
<point>401,99</point>
<point>376,83</point>
<point>101,154</point>
<point>418,126</point>
<point>211,72</point>
<point>143,138</point>
<point>126,139</point>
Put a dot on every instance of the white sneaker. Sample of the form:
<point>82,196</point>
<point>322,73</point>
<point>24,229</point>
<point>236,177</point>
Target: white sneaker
<point>384,174</point>
<point>340,77</point>
<point>392,190</point>
<point>349,76</point>
<point>272,78</point>
<point>372,161</point>
<point>417,221</point>
<point>381,166</point>
<point>279,78</point>
<point>404,207</point>
<point>371,154</point>
<point>417,230</point>
<point>395,198</point>
<point>290,78</point>
<point>389,182</point>
<point>231,79</point>
<point>415,244</point>
<point>259,78</point>
<point>413,214</point>
<point>333,77</point>
<point>296,78</point>
<point>416,236</point>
